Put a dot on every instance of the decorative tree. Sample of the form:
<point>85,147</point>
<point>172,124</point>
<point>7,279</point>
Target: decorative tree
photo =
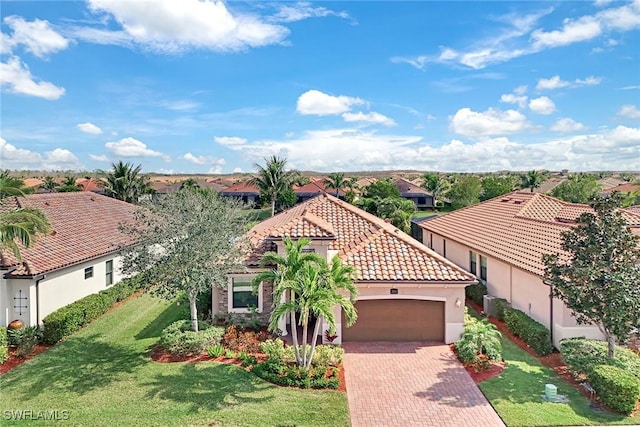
<point>336,181</point>
<point>465,191</point>
<point>125,182</point>
<point>598,276</point>
<point>21,226</point>
<point>187,242</point>
<point>494,186</point>
<point>274,180</point>
<point>579,188</point>
<point>532,180</point>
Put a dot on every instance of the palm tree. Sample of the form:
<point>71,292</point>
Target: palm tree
<point>531,180</point>
<point>286,269</point>
<point>274,180</point>
<point>440,189</point>
<point>21,226</point>
<point>124,182</point>
<point>49,184</point>
<point>69,185</point>
<point>336,180</point>
<point>189,184</point>
<point>11,186</point>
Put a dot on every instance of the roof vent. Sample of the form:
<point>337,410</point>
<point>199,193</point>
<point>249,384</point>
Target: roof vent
<point>505,200</point>
<point>517,202</point>
<point>93,199</point>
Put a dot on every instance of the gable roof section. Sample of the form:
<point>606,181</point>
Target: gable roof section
<point>517,228</point>
<point>314,188</point>
<point>241,188</point>
<point>407,188</point>
<point>378,250</point>
<point>84,226</point>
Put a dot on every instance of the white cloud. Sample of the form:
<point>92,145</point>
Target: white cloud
<point>89,128</point>
<point>203,160</point>
<point>99,158</point>
<point>542,105</point>
<point>351,150</point>
<point>131,147</point>
<point>303,10</point>
<point>36,36</point>
<point>567,125</point>
<point>511,98</point>
<point>581,29</point>
<point>629,111</point>
<point>372,117</point>
<point>229,141</point>
<point>180,105</point>
<point>431,117</point>
<point>12,157</point>
<point>237,170</point>
<point>314,102</point>
<point>15,77</point>
<point>556,82</point>
<point>169,26</point>
<point>491,122</point>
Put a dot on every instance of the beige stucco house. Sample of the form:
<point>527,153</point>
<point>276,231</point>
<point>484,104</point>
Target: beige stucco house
<point>502,241</point>
<point>78,258</point>
<point>407,292</point>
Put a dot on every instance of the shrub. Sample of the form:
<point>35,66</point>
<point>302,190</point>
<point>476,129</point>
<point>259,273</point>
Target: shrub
<point>618,389</point>
<point>533,333</point>
<point>582,355</point>
<point>274,349</point>
<point>239,340</point>
<point>230,354</point>
<point>501,305</point>
<point>70,318</point>
<point>25,339</point>
<point>249,361</point>
<point>479,338</point>
<point>4,345</point>
<point>178,338</point>
<point>476,292</point>
<point>327,355</point>
<point>295,376</point>
<point>216,350</point>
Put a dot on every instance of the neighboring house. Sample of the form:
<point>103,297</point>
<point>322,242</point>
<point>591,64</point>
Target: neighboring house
<point>79,257</point>
<point>547,185</point>
<point>315,188</point>
<point>249,194</point>
<point>502,241</point>
<point>94,185</point>
<point>625,188</point>
<point>34,183</point>
<point>610,182</point>
<point>407,292</point>
<point>410,191</point>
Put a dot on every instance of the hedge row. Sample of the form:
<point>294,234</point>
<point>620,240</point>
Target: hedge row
<point>4,345</point>
<point>71,318</point>
<point>535,334</point>
<point>501,305</point>
<point>582,355</point>
<point>618,389</point>
<point>476,292</point>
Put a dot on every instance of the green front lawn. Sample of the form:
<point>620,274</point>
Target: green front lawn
<point>516,394</point>
<point>103,376</point>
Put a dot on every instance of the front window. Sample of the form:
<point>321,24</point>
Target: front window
<point>109,273</point>
<point>241,296</point>
<point>88,273</point>
<point>483,268</point>
<point>473,267</point>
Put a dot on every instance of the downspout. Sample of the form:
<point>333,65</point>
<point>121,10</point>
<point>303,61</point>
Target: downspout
<point>550,310</point>
<point>38,279</point>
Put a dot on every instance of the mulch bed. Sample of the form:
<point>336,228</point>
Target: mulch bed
<point>161,356</point>
<point>14,360</point>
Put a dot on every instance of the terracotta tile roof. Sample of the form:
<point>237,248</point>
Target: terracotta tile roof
<point>406,187</point>
<point>378,250</point>
<point>91,184</point>
<point>623,188</point>
<point>33,182</point>
<point>314,188</point>
<point>517,228</point>
<point>634,209</point>
<point>610,182</point>
<point>241,188</point>
<point>84,226</point>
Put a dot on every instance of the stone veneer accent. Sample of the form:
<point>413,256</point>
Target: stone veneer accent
<point>267,304</point>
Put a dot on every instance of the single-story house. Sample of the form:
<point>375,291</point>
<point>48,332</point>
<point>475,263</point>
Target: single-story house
<point>502,241</point>
<point>407,292</point>
<point>314,188</point>
<point>77,258</point>
<point>627,187</point>
<point>410,191</point>
<point>248,193</point>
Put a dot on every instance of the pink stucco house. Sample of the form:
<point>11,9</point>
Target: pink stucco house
<point>502,241</point>
<point>407,292</point>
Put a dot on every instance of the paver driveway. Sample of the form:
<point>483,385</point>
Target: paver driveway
<point>412,384</point>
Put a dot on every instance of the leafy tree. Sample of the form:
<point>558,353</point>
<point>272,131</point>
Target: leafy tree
<point>532,180</point>
<point>430,181</point>
<point>382,189</point>
<point>494,186</point>
<point>398,210</point>
<point>188,242</point>
<point>125,182</point>
<point>599,276</point>
<point>337,181</point>
<point>21,226</point>
<point>69,185</point>
<point>274,180</point>
<point>189,184</point>
<point>314,288</point>
<point>577,189</point>
<point>631,198</point>
<point>49,184</point>
<point>12,186</point>
<point>465,192</point>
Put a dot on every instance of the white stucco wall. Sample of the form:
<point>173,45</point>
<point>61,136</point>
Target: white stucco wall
<point>59,288</point>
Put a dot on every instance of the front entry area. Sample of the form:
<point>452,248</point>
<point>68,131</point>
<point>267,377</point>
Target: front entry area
<point>396,320</point>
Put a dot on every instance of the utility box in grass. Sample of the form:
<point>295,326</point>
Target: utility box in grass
<point>489,305</point>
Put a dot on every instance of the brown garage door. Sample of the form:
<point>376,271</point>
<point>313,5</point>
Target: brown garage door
<point>397,320</point>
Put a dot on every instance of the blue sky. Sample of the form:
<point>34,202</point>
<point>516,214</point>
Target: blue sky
<point>214,87</point>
